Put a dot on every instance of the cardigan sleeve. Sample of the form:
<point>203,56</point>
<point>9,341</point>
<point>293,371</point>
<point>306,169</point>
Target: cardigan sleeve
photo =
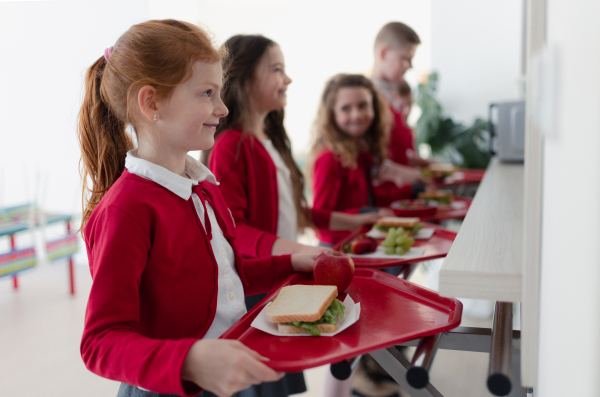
<point>228,166</point>
<point>264,274</point>
<point>327,181</point>
<point>110,347</point>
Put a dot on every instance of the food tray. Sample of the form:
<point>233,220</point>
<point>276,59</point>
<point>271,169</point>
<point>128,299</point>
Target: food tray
<point>435,247</point>
<point>412,212</point>
<point>392,311</point>
<point>462,176</point>
<point>446,212</point>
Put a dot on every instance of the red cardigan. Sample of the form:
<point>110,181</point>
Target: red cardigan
<point>340,188</point>
<point>248,180</point>
<point>154,290</point>
<point>401,140</point>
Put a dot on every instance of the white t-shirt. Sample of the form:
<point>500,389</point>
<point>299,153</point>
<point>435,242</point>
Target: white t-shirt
<point>287,218</point>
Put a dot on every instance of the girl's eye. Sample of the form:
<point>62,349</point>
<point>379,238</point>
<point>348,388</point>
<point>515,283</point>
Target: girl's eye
<point>345,108</point>
<point>363,105</point>
<point>278,70</point>
<point>207,93</point>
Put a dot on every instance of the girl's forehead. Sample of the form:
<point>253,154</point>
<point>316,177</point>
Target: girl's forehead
<point>353,93</point>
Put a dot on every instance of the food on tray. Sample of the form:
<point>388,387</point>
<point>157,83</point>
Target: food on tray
<point>334,268</point>
<point>441,196</point>
<point>397,242</point>
<point>362,245</point>
<point>409,225</point>
<point>410,204</point>
<point>439,171</point>
<point>301,309</point>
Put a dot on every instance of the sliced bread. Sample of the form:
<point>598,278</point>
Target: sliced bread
<point>290,329</point>
<point>301,303</point>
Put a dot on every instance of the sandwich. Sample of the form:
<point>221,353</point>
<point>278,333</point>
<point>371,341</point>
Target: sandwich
<point>409,225</point>
<point>306,309</point>
<point>439,171</point>
<point>441,196</point>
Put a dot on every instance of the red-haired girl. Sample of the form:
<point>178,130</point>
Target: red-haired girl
<point>167,276</point>
<point>349,152</point>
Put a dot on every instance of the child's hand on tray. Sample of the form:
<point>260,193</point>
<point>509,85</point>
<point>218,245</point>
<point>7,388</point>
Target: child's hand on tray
<point>225,367</point>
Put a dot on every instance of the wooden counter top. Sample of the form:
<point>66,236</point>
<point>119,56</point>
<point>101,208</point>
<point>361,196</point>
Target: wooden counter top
<point>485,261</point>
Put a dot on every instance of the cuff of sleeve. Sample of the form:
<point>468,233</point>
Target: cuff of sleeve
<point>186,388</point>
<point>265,245</point>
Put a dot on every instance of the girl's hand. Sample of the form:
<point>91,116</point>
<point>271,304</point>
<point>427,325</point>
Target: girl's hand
<point>369,218</point>
<point>305,263</point>
<point>402,175</point>
<point>383,212</point>
<point>225,367</point>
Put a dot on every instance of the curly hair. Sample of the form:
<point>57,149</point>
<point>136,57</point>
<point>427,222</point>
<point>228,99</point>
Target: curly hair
<point>328,135</point>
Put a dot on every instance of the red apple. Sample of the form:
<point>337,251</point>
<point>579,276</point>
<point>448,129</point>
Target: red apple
<point>334,268</point>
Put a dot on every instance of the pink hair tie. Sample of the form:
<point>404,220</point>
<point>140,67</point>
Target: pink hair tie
<point>107,53</point>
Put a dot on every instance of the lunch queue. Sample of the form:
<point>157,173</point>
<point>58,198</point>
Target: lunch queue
<point>180,249</point>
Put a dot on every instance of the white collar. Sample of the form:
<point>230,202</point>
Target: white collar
<point>179,185</point>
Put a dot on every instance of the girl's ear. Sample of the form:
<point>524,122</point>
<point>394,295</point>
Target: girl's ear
<point>147,102</point>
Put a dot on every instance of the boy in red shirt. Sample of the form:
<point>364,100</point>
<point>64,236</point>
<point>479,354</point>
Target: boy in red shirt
<point>395,47</point>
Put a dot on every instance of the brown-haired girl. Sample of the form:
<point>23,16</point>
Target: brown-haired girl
<point>252,156</point>
<point>350,150</point>
<point>167,276</point>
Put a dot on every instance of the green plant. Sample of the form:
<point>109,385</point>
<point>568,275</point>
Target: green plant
<point>450,141</point>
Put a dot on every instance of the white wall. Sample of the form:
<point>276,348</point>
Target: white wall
<point>569,346</point>
<point>45,48</point>
<point>476,49</point>
<point>318,38</point>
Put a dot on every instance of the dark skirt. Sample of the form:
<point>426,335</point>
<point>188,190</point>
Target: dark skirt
<point>131,391</point>
<point>291,383</point>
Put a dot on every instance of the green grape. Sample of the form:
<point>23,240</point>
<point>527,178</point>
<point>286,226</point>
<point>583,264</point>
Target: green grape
<point>400,230</point>
<point>398,240</point>
<point>399,251</point>
<point>389,250</point>
<point>402,239</point>
<point>386,243</point>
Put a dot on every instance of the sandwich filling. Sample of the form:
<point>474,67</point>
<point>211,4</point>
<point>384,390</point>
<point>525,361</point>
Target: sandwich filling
<point>335,309</point>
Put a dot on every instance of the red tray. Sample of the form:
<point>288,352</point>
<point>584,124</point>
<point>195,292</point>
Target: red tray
<point>392,311</point>
<point>449,213</point>
<point>468,176</point>
<point>412,212</point>
<point>436,247</point>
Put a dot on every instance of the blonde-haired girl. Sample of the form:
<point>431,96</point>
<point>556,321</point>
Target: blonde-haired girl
<point>349,152</point>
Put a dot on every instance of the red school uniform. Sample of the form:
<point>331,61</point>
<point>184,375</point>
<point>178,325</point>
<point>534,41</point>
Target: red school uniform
<point>401,139</point>
<point>248,179</point>
<point>345,189</point>
<point>154,290</point>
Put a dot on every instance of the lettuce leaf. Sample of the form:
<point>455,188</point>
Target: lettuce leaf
<point>335,309</point>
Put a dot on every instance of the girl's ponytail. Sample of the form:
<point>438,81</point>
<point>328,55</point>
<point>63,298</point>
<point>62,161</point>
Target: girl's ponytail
<point>103,140</point>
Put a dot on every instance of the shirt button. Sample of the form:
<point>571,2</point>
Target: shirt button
<point>224,254</point>
<point>230,297</point>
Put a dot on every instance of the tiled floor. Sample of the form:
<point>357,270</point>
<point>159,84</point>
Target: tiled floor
<point>41,325</point>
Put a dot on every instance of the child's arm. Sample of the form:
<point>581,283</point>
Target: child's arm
<point>226,366</point>
<point>327,182</point>
<point>110,347</point>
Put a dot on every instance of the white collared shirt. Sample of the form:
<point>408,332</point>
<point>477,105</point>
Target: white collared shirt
<point>287,217</point>
<point>230,297</point>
